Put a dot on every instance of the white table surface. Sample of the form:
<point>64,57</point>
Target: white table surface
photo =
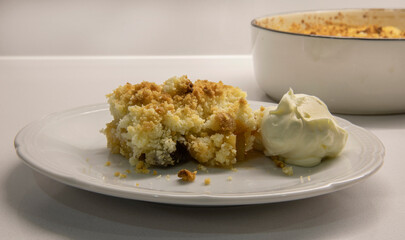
<point>33,206</point>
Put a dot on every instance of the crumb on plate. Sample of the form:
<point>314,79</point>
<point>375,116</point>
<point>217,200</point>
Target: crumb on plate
<point>287,170</point>
<point>186,175</point>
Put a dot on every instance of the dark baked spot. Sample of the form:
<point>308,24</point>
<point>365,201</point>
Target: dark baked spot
<point>181,154</point>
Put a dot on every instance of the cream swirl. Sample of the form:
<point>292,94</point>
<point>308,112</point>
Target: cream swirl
<point>301,130</point>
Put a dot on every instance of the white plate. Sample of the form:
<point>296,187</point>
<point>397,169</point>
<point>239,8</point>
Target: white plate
<point>69,148</point>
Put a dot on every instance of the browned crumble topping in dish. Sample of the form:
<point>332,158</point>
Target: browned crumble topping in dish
<point>345,30</point>
<point>334,26</point>
<point>161,125</point>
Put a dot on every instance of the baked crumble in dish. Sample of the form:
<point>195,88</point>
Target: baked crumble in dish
<point>161,125</point>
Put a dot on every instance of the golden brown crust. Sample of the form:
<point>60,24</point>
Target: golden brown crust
<point>329,28</point>
<point>334,26</point>
<point>226,122</point>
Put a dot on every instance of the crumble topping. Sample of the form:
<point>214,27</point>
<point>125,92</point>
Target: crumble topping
<point>334,26</point>
<point>345,30</point>
<point>162,125</point>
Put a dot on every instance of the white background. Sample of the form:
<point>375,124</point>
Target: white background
<point>33,206</point>
<point>139,27</point>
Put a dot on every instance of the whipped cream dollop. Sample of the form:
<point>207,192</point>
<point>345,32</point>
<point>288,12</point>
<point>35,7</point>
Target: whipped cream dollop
<point>301,130</point>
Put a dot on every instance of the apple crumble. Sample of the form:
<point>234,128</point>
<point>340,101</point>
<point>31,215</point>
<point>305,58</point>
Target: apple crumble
<point>161,125</point>
<point>333,26</point>
<point>345,30</point>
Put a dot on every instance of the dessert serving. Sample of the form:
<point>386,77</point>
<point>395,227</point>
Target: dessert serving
<point>154,126</point>
<point>161,125</point>
<point>212,123</point>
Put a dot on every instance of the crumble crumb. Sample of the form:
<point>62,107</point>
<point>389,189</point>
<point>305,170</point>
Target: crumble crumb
<point>128,171</point>
<point>167,177</point>
<point>207,181</point>
<point>229,178</point>
<point>108,163</point>
<point>154,172</point>
<point>141,167</point>
<point>277,161</point>
<point>288,170</point>
<point>116,174</point>
<point>186,175</point>
<point>122,175</point>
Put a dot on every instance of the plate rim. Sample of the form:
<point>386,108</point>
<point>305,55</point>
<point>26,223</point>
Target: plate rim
<point>178,198</point>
